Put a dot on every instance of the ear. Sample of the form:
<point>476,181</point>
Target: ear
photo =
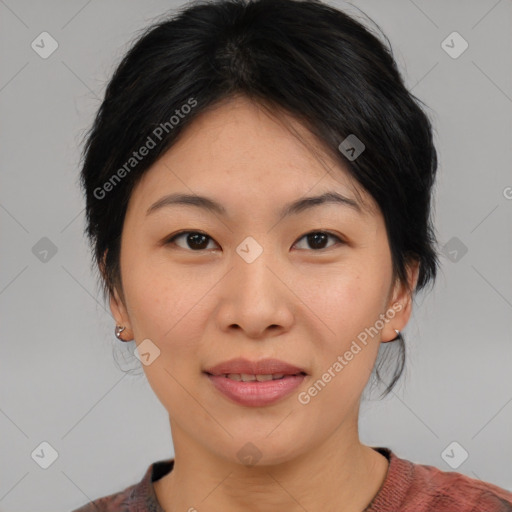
<point>400,303</point>
<point>119,311</point>
<point>118,308</point>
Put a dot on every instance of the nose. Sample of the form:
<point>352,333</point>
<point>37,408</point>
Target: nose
<point>255,298</point>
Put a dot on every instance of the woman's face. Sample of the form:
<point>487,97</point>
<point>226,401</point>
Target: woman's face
<point>254,286</point>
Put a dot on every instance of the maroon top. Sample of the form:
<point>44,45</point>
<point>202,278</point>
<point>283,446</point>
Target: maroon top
<point>408,487</point>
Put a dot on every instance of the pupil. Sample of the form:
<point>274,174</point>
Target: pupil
<point>314,238</point>
<point>195,238</point>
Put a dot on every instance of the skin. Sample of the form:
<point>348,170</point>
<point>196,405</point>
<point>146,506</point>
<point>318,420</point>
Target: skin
<point>297,302</point>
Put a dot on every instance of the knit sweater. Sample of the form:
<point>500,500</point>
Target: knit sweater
<point>408,487</point>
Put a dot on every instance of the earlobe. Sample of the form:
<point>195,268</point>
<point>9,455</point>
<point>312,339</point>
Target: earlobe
<point>117,306</point>
<point>123,327</point>
<point>400,307</point>
<point>397,337</point>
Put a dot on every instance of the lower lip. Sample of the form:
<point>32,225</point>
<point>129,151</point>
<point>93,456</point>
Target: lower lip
<point>256,394</point>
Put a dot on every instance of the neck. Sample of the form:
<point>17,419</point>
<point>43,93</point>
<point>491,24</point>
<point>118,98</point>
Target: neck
<point>341,475</point>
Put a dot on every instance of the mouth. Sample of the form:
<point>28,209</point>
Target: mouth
<point>255,383</point>
<point>245,370</point>
<point>246,377</point>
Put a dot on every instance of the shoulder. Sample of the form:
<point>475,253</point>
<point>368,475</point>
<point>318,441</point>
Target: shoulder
<point>118,501</point>
<point>448,491</point>
<point>139,497</point>
<point>413,487</point>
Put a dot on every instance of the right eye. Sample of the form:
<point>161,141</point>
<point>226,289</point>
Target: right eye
<point>196,240</point>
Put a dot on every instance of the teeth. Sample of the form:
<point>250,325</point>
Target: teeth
<point>261,378</point>
<point>245,377</point>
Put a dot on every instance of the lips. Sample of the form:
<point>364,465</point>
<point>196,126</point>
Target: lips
<point>255,383</point>
<point>241,366</point>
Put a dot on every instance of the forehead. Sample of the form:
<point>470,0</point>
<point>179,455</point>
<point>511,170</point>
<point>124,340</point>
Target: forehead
<point>241,154</point>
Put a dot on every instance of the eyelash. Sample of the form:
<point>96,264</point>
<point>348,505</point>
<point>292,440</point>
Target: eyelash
<point>181,233</point>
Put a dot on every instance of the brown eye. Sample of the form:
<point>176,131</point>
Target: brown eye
<point>318,239</point>
<point>194,240</point>
<point>198,241</point>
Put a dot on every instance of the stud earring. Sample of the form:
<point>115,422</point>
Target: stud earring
<point>119,329</point>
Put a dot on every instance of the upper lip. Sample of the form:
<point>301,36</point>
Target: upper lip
<point>261,367</point>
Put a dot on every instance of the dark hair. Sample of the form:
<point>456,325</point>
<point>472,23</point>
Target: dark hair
<point>303,58</point>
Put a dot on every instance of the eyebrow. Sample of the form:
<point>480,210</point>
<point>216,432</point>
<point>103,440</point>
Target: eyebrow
<point>293,208</point>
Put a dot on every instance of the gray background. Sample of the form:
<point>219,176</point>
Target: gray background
<point>60,381</point>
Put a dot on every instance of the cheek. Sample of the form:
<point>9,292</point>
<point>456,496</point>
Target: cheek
<point>345,301</point>
<point>162,309</point>
<point>166,310</point>
<point>347,306</point>
<point>167,305</point>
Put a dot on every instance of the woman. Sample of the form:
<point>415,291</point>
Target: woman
<point>258,184</point>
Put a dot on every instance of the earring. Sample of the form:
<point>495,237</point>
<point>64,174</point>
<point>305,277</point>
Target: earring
<point>398,337</point>
<point>119,329</point>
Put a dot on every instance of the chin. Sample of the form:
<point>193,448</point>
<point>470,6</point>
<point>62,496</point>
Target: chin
<point>259,450</point>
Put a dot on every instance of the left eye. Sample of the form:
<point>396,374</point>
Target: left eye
<point>317,238</point>
<point>199,241</point>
